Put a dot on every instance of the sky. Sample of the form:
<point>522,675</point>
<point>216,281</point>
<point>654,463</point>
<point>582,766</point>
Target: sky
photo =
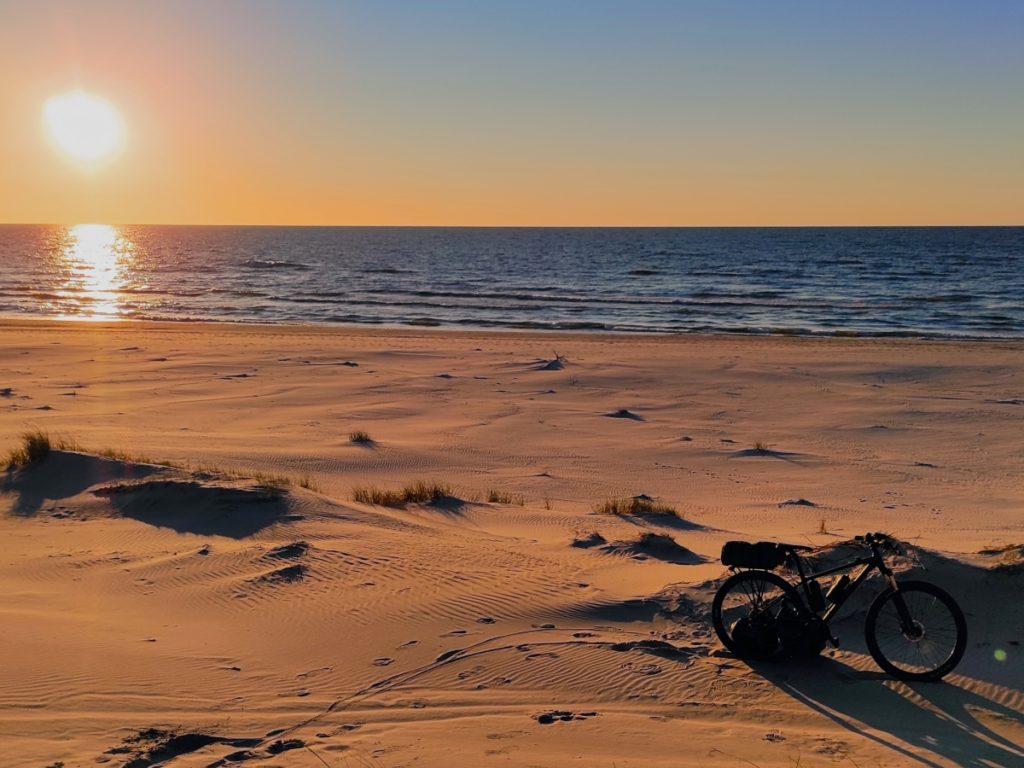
<point>564,113</point>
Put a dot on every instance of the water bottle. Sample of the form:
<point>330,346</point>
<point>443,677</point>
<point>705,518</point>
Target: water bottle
<point>837,590</point>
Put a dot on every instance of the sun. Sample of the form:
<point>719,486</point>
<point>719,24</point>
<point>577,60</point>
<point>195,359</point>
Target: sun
<point>85,127</point>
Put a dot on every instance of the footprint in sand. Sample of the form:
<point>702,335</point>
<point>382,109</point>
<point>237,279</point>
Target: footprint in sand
<point>314,673</point>
<point>542,655</point>
<point>485,620</point>
<point>467,673</point>
<point>455,633</point>
<point>495,681</point>
<point>642,669</point>
<point>382,662</point>
<point>409,644</point>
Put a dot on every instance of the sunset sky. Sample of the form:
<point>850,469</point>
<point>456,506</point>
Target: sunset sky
<point>521,113</point>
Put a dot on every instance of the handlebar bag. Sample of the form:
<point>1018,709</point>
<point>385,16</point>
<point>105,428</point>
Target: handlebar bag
<point>764,554</point>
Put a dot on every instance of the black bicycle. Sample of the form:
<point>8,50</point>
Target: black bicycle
<point>914,630</point>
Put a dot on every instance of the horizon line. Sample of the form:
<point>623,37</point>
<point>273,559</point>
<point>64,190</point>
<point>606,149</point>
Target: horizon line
<point>514,226</point>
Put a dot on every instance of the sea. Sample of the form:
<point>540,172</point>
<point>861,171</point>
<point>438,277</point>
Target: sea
<point>929,282</point>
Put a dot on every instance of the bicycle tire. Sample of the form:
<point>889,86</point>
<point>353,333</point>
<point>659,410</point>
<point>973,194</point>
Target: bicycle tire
<point>932,666</point>
<point>733,584</point>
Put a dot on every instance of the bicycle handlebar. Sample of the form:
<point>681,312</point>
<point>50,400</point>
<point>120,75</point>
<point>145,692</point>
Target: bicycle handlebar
<point>879,539</point>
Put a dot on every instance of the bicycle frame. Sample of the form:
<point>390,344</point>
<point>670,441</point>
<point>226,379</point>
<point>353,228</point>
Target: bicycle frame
<point>867,565</point>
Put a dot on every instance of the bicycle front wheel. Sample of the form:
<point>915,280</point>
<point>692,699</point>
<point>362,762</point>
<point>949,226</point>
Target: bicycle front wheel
<point>924,643</point>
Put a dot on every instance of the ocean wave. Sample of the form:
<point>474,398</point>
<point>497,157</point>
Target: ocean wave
<point>940,298</point>
<point>272,264</point>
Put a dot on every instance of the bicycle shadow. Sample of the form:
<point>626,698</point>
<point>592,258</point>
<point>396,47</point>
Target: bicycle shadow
<point>918,721</point>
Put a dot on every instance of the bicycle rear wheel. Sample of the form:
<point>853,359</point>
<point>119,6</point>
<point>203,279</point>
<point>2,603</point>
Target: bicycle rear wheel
<point>930,646</point>
<point>746,612</point>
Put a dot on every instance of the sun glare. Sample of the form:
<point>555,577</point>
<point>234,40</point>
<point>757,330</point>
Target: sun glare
<point>96,257</point>
<point>85,127</point>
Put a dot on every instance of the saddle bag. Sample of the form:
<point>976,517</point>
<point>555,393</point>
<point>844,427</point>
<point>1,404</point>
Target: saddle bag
<point>764,555</point>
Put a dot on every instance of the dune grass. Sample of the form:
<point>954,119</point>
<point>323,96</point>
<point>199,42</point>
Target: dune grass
<point>267,480</point>
<point>309,484</point>
<point>360,437</point>
<point>761,446</point>
<point>116,454</point>
<point>496,496</point>
<point>420,492</point>
<point>636,506</point>
<point>35,447</point>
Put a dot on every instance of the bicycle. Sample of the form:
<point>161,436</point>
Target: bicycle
<point>914,630</point>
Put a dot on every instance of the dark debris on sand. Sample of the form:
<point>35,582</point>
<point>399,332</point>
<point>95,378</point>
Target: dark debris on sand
<point>562,716</point>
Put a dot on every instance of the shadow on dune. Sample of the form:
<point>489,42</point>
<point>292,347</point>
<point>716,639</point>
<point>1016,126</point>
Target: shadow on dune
<point>64,474</point>
<point>617,612</point>
<point>766,453</point>
<point>987,590</point>
<point>670,522</point>
<point>655,546</point>
<point>199,507</point>
<point>936,719</point>
<point>452,506</point>
<point>150,494</point>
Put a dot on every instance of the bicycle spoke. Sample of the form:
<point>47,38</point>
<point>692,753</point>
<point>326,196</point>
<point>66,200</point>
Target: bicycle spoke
<point>927,643</point>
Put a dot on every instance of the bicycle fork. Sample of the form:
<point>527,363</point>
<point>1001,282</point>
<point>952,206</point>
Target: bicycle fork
<point>911,629</point>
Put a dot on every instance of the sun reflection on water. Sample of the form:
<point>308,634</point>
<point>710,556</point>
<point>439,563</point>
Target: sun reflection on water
<point>96,258</point>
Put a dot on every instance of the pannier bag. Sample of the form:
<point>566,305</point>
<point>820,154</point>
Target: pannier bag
<point>765,555</point>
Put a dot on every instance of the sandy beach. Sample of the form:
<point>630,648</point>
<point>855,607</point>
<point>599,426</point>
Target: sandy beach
<point>201,614</point>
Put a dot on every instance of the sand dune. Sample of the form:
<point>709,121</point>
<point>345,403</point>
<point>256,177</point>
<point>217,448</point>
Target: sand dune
<point>161,615</point>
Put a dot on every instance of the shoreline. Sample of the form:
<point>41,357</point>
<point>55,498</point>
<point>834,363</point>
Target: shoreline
<point>416,331</point>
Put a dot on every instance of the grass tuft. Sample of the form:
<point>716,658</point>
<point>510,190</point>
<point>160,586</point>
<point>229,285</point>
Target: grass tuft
<point>269,481</point>
<point>495,496</point>
<point>360,437</point>
<point>309,484</point>
<point>638,506</point>
<point>419,492</point>
<point>761,446</point>
<point>35,447</point>
<point>116,454</point>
